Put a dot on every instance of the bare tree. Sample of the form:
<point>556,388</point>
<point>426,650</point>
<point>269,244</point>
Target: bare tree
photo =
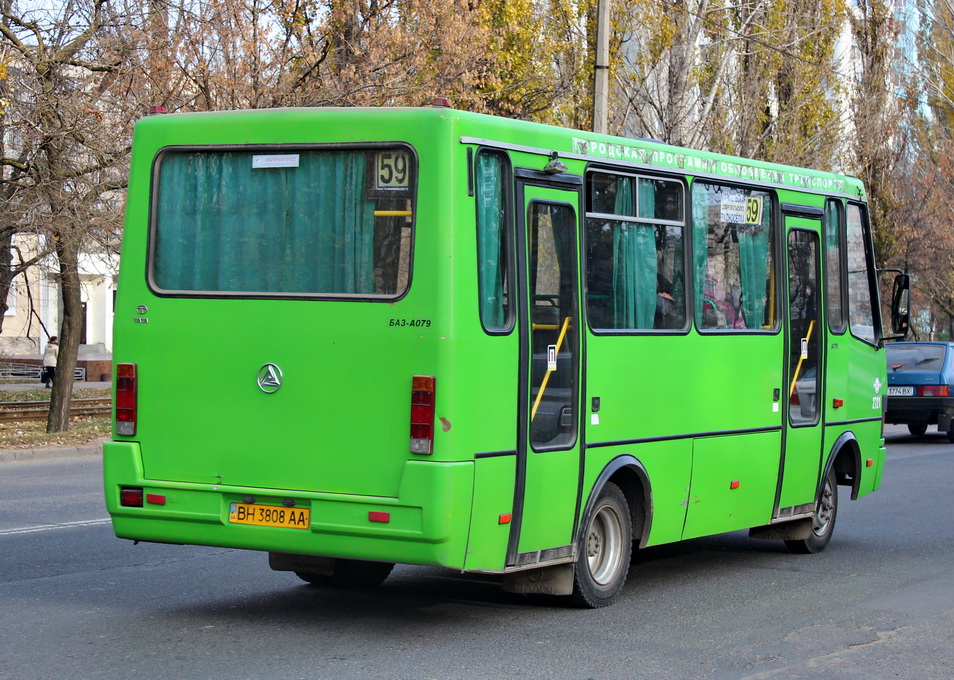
<point>749,78</point>
<point>66,132</point>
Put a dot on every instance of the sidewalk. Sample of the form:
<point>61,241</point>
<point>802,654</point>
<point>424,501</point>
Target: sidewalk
<point>15,455</point>
<point>57,451</point>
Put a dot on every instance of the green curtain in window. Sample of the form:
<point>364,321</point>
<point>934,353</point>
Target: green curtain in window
<point>754,268</point>
<point>634,271</point>
<point>831,226</point>
<point>700,251</point>
<point>492,264</point>
<point>224,226</point>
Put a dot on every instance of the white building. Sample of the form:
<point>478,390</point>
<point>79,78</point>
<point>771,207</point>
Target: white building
<point>34,308</point>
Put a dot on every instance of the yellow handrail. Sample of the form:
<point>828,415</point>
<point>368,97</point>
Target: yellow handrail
<point>392,213</point>
<point>801,359</point>
<point>546,378</point>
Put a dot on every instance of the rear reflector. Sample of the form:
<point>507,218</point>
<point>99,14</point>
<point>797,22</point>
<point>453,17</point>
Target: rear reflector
<point>934,391</point>
<point>126,407</point>
<point>422,414</point>
<point>383,517</point>
<point>130,497</point>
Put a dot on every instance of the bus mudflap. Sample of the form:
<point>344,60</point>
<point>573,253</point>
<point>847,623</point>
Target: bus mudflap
<point>797,530</point>
<point>555,580</point>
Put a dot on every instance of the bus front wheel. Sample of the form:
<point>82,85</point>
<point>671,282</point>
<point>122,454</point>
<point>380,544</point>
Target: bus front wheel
<point>351,574</point>
<point>823,523</point>
<point>603,551</point>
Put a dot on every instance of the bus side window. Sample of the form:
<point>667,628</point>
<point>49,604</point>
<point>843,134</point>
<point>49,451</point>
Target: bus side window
<point>635,253</point>
<point>494,256</point>
<point>733,258</point>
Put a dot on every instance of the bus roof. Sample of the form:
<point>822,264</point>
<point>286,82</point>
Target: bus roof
<point>535,138</point>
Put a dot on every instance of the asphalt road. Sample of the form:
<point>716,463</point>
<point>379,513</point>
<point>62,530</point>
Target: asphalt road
<point>75,602</point>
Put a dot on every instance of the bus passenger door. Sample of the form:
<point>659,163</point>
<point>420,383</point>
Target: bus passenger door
<point>548,444</point>
<point>802,459</point>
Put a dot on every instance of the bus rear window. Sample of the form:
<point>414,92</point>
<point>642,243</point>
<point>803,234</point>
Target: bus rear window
<point>306,222</point>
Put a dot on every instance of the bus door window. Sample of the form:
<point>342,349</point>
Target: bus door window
<point>805,326</point>
<point>554,324</point>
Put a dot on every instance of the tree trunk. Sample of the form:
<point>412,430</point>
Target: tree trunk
<point>70,333</point>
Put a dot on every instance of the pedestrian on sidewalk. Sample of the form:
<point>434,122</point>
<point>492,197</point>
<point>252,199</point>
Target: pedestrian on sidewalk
<point>49,362</point>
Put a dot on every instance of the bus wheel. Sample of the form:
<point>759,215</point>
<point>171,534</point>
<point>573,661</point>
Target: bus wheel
<point>917,429</point>
<point>351,574</point>
<point>604,550</point>
<point>823,523</point>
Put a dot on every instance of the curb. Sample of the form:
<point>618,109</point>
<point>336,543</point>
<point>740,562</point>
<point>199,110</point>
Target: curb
<point>47,454</point>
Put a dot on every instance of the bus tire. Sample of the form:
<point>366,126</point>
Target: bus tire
<point>351,574</point>
<point>917,429</point>
<point>823,523</point>
<point>603,550</point>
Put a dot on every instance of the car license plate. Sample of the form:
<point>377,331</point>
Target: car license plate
<point>901,391</point>
<point>269,515</point>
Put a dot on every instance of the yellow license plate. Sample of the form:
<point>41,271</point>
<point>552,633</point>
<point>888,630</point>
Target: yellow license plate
<point>269,515</point>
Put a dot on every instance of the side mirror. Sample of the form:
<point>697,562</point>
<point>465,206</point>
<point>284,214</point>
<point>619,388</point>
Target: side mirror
<point>900,297</point>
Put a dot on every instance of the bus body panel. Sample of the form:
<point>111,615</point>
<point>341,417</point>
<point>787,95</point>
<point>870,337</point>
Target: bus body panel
<point>334,416</point>
<point>733,483</point>
<point>668,465</point>
<point>494,479</point>
<point>633,375</point>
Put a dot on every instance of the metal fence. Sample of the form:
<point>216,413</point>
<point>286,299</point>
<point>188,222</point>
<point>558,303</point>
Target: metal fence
<point>12,372</point>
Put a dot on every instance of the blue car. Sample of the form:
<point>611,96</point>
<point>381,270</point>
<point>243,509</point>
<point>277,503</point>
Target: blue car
<point>920,379</point>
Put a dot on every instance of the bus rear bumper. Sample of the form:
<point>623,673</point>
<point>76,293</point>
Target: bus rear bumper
<point>426,524</point>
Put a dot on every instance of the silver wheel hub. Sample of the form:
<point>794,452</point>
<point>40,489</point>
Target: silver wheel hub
<point>825,511</point>
<point>604,542</point>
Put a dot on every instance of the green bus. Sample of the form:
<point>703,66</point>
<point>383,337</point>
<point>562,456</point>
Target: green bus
<point>352,338</point>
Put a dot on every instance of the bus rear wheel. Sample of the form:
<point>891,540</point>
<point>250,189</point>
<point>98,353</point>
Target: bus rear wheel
<point>823,523</point>
<point>351,574</point>
<point>603,551</point>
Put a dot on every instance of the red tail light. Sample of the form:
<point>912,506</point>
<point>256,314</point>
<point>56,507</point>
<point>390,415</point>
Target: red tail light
<point>934,390</point>
<point>422,414</point>
<point>131,497</point>
<point>126,409</point>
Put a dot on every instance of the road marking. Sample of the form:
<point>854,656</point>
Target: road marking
<point>54,527</point>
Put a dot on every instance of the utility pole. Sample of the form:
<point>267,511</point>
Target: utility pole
<point>601,77</point>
